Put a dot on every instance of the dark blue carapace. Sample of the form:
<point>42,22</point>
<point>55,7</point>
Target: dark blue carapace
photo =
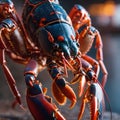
<point>45,20</point>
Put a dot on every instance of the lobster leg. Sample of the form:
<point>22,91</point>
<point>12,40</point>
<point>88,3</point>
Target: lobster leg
<point>39,104</point>
<point>99,57</point>
<point>94,96</point>
<point>61,85</point>
<point>81,79</point>
<point>93,62</point>
<point>84,75</point>
<point>10,79</point>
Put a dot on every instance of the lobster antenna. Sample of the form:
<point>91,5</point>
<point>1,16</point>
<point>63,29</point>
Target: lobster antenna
<point>67,63</point>
<point>65,68</point>
<point>107,98</point>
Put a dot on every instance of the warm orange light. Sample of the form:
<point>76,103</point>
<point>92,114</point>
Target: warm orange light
<point>103,9</point>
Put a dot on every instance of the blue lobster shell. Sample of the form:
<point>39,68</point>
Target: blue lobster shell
<point>49,26</point>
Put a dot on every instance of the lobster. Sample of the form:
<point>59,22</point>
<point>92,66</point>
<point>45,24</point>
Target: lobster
<point>46,40</point>
<point>87,34</point>
<point>15,44</point>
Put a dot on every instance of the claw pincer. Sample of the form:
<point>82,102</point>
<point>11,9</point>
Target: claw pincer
<point>59,84</point>
<point>95,98</point>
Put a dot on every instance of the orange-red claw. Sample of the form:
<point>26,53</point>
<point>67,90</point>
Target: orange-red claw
<point>62,93</point>
<point>69,93</point>
<point>58,95</point>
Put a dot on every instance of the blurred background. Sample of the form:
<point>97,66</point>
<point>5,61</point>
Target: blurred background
<point>105,15</point>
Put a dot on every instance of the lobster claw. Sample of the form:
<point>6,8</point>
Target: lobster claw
<point>62,93</point>
<point>41,105</point>
<point>58,95</point>
<point>94,96</point>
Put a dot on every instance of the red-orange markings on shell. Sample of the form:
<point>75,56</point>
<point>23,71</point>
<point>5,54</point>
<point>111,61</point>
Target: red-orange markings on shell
<point>42,20</point>
<point>60,38</point>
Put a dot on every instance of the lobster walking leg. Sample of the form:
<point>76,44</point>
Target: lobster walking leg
<point>93,62</point>
<point>94,96</point>
<point>39,104</point>
<point>10,79</point>
<point>83,75</point>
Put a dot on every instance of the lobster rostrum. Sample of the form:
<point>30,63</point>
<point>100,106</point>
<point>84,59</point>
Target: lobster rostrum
<point>46,39</point>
